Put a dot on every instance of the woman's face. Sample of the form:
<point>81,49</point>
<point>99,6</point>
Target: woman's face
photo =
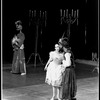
<point>57,48</point>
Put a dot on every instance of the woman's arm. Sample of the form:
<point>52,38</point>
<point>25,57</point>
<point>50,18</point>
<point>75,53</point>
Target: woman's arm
<point>50,60</point>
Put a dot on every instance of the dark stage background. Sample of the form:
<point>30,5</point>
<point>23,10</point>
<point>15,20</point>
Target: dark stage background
<point>88,15</point>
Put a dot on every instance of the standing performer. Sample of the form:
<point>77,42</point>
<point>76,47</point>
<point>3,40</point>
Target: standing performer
<point>18,64</point>
<point>69,87</point>
<point>55,71</point>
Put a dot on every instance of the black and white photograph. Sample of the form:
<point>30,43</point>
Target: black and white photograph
<point>49,50</point>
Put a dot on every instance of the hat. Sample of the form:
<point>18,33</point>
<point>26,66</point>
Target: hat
<point>63,41</point>
<point>18,22</point>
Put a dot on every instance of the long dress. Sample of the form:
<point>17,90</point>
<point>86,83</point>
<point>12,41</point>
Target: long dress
<point>18,63</point>
<point>69,87</point>
<point>55,70</point>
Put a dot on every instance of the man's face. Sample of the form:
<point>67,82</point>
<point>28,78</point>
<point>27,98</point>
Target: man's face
<point>65,49</point>
<point>60,46</point>
<point>18,27</point>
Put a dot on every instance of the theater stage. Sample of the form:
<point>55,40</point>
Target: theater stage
<point>32,86</point>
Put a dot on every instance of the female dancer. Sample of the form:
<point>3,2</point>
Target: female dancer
<point>55,71</point>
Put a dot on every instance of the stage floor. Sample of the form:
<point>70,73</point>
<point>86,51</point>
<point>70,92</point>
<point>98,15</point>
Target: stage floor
<point>32,85</point>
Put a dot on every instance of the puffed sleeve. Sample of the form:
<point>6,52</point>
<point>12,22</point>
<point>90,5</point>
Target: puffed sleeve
<point>51,55</point>
<point>67,61</point>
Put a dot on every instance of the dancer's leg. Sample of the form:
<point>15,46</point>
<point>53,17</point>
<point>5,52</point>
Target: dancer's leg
<point>54,93</point>
<point>58,93</point>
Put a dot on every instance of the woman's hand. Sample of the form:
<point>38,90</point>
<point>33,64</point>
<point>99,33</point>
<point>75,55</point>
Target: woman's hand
<point>45,68</point>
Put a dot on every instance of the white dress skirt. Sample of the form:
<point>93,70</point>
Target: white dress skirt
<point>55,70</point>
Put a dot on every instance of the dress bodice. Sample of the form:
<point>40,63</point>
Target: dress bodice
<point>56,57</point>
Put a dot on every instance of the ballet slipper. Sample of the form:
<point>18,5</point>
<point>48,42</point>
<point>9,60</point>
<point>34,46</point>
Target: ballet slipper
<point>52,98</point>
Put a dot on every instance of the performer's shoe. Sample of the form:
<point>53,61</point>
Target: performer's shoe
<point>23,73</point>
<point>59,99</point>
<point>73,99</point>
<point>52,98</point>
<point>10,71</point>
<point>69,99</point>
